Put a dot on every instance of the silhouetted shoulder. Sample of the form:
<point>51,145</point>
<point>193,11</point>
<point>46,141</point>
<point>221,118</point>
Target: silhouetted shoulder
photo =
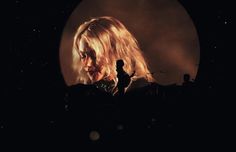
<point>79,90</point>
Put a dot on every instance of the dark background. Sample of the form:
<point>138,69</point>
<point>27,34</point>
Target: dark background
<point>35,98</point>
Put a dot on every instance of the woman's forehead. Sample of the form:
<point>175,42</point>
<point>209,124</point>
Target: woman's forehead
<point>90,43</point>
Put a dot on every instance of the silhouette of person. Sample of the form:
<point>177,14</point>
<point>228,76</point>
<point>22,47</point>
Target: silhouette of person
<point>187,87</point>
<point>123,78</point>
<point>187,82</point>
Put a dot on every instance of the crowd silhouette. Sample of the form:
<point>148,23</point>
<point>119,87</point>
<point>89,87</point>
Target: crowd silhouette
<point>172,92</point>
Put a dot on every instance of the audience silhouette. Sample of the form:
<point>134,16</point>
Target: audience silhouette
<point>187,82</point>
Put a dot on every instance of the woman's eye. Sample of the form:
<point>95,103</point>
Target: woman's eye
<point>83,55</point>
<point>91,54</point>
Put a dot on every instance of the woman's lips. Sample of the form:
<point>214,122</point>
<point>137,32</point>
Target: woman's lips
<point>92,74</point>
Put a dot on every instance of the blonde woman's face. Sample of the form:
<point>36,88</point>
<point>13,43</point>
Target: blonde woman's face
<point>94,71</point>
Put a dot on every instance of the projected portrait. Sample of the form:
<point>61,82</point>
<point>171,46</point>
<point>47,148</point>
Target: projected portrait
<point>98,44</point>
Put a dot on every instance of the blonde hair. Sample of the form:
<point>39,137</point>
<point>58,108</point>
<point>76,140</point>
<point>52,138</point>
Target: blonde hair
<point>111,41</point>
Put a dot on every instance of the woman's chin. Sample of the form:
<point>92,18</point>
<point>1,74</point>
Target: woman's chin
<point>95,77</point>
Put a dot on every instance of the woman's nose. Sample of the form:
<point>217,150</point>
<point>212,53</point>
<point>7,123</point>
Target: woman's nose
<point>88,64</point>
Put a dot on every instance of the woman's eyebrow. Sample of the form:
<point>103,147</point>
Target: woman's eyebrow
<point>83,51</point>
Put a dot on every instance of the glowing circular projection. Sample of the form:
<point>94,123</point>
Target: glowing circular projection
<point>163,29</point>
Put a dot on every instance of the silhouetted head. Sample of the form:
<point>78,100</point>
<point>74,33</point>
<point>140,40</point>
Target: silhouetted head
<point>186,77</point>
<point>98,44</point>
<point>119,63</point>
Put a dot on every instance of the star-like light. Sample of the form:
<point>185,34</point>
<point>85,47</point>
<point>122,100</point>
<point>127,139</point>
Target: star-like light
<point>153,119</point>
<point>66,107</point>
<point>120,127</point>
